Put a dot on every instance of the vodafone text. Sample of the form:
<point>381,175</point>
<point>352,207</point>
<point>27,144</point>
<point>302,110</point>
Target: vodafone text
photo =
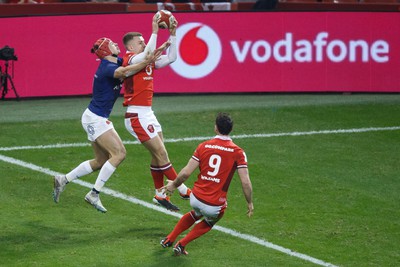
<point>317,50</point>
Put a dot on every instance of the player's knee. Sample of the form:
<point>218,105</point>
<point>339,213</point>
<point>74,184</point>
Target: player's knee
<point>161,154</point>
<point>121,154</point>
<point>98,163</point>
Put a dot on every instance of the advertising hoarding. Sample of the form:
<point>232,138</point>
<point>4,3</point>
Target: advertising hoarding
<point>217,52</point>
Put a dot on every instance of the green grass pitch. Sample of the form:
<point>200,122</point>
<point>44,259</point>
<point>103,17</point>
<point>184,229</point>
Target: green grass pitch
<point>325,171</point>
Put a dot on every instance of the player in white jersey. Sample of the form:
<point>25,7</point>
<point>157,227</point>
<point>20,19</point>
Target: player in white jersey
<point>108,149</point>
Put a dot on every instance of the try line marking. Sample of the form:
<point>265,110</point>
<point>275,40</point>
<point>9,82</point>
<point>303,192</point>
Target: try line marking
<point>199,138</point>
<point>134,200</point>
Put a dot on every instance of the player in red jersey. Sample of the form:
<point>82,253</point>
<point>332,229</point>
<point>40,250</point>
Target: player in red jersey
<point>217,159</point>
<point>140,120</point>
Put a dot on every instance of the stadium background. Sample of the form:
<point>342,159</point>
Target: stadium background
<point>324,166</point>
<point>241,52</point>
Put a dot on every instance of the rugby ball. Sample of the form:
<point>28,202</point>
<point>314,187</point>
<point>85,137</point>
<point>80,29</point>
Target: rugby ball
<point>166,19</point>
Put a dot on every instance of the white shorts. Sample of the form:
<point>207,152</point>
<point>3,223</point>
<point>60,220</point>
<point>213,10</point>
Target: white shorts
<point>142,123</point>
<point>95,125</point>
<point>210,213</point>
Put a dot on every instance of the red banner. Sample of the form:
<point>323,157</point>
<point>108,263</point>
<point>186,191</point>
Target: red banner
<point>217,52</point>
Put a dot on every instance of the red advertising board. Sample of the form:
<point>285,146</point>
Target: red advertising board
<point>217,52</point>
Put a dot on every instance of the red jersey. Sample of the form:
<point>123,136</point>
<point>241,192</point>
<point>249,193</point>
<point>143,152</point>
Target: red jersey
<point>138,89</point>
<point>218,158</point>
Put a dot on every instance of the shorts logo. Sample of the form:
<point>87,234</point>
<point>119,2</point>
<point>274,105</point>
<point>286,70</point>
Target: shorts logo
<point>150,128</point>
<point>199,51</point>
<point>90,129</point>
<point>108,122</point>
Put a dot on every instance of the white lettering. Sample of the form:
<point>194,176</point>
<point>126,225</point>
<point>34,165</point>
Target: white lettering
<point>286,46</point>
<point>320,49</point>
<point>341,48</point>
<point>380,47</point>
<point>353,50</point>
<point>304,52</point>
<point>319,43</point>
<point>241,55</point>
<point>255,51</point>
<point>220,148</point>
<point>212,179</point>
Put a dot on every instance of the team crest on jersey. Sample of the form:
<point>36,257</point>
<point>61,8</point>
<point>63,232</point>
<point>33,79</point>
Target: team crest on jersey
<point>150,128</point>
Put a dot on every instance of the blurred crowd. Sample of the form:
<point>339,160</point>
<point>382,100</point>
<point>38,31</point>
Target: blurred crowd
<point>262,4</point>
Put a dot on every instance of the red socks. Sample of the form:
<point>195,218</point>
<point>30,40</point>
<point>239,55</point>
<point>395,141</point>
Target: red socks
<point>198,230</point>
<point>158,176</point>
<point>184,223</point>
<point>158,172</point>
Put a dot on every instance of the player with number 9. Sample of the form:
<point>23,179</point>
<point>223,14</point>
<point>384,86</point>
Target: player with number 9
<point>217,160</point>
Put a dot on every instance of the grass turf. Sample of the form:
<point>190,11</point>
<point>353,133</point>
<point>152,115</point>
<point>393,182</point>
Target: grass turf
<point>330,196</point>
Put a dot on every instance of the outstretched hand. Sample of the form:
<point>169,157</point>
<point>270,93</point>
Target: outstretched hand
<point>154,24</point>
<point>172,28</point>
<point>250,210</point>
<point>169,188</point>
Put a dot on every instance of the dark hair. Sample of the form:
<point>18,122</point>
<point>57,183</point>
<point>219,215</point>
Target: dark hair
<point>129,36</point>
<point>224,123</point>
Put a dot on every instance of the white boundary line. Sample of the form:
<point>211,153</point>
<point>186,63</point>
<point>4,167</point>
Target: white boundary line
<point>199,138</point>
<point>134,200</point>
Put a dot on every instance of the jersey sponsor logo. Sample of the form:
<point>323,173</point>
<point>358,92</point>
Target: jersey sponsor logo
<point>149,70</point>
<point>199,50</point>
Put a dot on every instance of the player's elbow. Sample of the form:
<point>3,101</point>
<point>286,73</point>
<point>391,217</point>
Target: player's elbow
<point>172,59</point>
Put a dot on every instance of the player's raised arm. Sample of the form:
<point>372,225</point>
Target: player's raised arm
<point>123,72</point>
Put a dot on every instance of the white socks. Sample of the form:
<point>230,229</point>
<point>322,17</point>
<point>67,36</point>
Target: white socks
<point>182,189</point>
<point>83,169</point>
<point>105,173</point>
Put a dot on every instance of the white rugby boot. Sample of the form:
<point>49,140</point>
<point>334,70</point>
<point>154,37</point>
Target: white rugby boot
<point>60,181</point>
<point>93,199</point>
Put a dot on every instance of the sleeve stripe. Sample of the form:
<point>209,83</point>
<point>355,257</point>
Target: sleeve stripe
<point>196,159</point>
<point>241,166</point>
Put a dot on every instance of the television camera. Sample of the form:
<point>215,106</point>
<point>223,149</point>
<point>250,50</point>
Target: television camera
<point>7,54</point>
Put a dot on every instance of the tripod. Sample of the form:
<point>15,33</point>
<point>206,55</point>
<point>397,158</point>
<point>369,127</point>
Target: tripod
<point>5,78</point>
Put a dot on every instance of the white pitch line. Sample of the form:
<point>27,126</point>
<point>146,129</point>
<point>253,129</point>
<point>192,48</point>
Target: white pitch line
<point>134,200</point>
<point>199,138</point>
